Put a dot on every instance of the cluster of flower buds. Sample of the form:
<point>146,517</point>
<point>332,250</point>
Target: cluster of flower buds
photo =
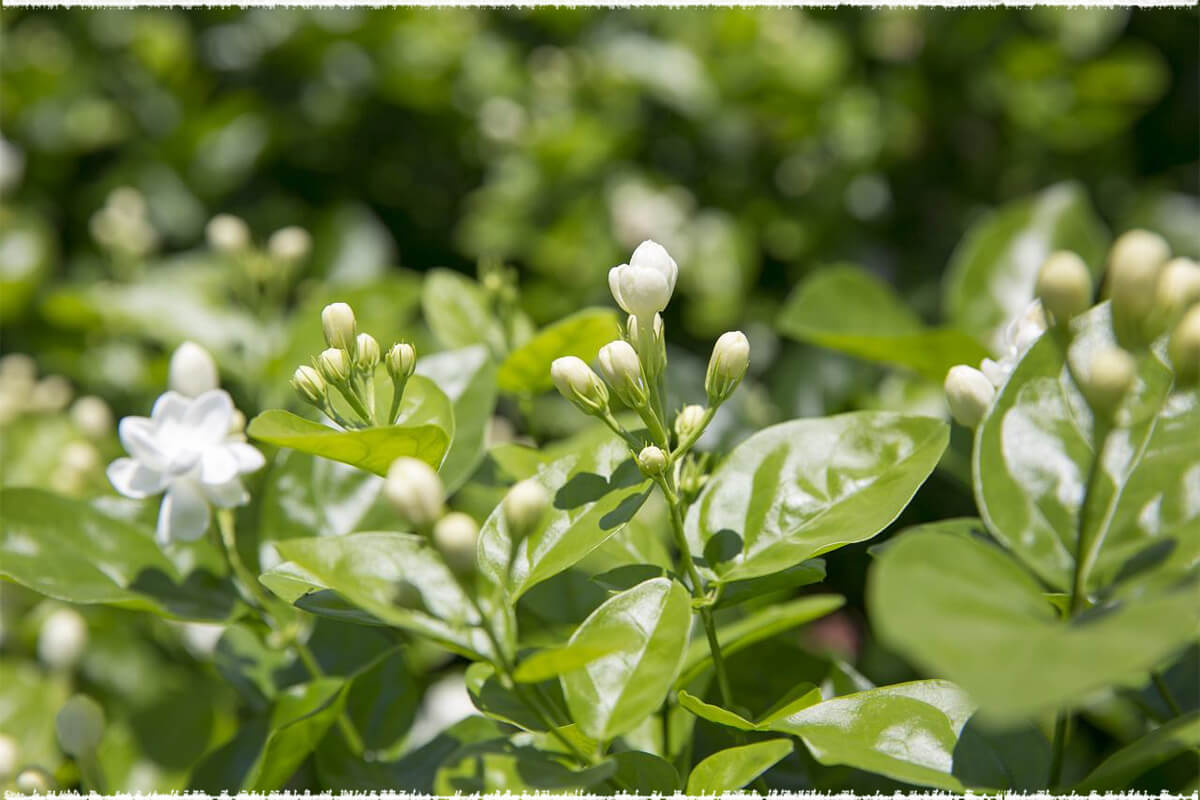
<point>270,266</point>
<point>348,364</point>
<point>123,225</point>
<point>632,367</point>
<point>1151,294</point>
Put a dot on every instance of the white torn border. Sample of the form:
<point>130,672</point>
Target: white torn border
<point>741,795</point>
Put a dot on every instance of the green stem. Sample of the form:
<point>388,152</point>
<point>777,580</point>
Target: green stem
<point>368,380</point>
<point>608,419</point>
<point>353,740</point>
<point>397,396</point>
<point>1085,549</point>
<point>1062,732</point>
<point>685,445</point>
<point>91,774</point>
<point>349,391</point>
<point>1165,691</point>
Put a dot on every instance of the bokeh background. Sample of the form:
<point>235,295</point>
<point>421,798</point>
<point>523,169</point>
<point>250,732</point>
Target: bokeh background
<point>758,145</point>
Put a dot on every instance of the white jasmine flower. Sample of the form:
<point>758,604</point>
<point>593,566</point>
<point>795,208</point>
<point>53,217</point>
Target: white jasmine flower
<point>643,287</point>
<point>1022,332</point>
<point>184,448</point>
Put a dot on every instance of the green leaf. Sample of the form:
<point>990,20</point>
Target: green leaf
<point>459,313</point>
<point>396,577</point>
<point>68,550</point>
<point>984,622</point>
<point>29,699</point>
<point>846,308</point>
<point>801,696</point>
<point>306,496</point>
<point>738,592</point>
<point>424,429</point>
<point>527,369</point>
<point>1034,451</point>
<point>802,488</point>
<point>994,760</point>
<point>615,693</point>
<point>714,713</point>
<point>991,275</point>
<point>730,770</point>
<point>468,378</point>
<point>907,731</point>
<point>501,766</point>
<point>758,625</point>
<point>646,773</point>
<point>555,661</point>
<point>595,489</point>
<point>1118,771</point>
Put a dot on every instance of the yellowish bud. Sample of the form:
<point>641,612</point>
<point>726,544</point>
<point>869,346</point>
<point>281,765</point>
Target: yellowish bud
<point>340,327</point>
<point>1064,285</point>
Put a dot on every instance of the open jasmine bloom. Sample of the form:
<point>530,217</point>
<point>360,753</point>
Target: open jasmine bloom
<point>186,449</point>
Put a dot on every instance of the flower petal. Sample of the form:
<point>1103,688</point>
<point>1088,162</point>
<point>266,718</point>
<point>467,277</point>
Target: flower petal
<point>184,514</point>
<point>209,416</point>
<point>645,291</point>
<point>228,494</point>
<point>614,285</point>
<point>218,465</point>
<point>248,457</point>
<point>138,438</point>
<point>135,480</point>
<point>169,407</point>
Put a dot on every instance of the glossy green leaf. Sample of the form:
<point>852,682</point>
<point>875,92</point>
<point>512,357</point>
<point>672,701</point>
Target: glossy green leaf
<point>526,370</point>
<point>805,487</point>
<point>1013,759</point>
<point>501,766</point>
<point>801,696</point>
<point>555,661</point>
<point>729,770</point>
<point>1034,450</point>
<point>306,496</point>
<point>991,275</point>
<point>983,621</point>
<point>458,311</point>
<point>396,577</point>
<point>595,489</point>
<point>1180,735</point>
<point>646,773</point>
<point>714,713</point>
<point>68,550</point>
<point>758,625</point>
<point>468,378</point>
<point>846,308</point>
<point>907,731</point>
<point>497,699</point>
<point>803,574</point>
<point>614,694</point>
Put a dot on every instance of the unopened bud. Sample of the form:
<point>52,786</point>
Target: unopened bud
<point>192,371</point>
<point>289,244</point>
<point>969,394</point>
<point>416,491</point>
<point>92,416</point>
<point>339,325</point>
<point>80,724</point>
<point>80,457</point>
<point>652,461</point>
<point>620,366</point>
<point>62,639</point>
<point>227,234</point>
<point>401,361</point>
<point>1109,378</point>
<point>688,421</point>
<point>34,780</point>
<point>576,382</point>
<point>367,351</point>
<point>643,287</point>
<point>455,536</point>
<point>523,508</point>
<point>1134,265</point>
<point>10,756</point>
<point>653,349</point>
<point>1184,347</point>
<point>1064,285</point>
<point>727,366</point>
<point>1178,288</point>
<point>334,365</point>
<point>51,393</point>
<point>309,384</point>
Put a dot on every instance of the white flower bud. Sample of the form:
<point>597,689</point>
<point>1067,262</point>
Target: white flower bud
<point>523,508</point>
<point>289,244</point>
<point>62,639</point>
<point>455,536</point>
<point>1109,378</point>
<point>334,365</point>
<point>51,393</point>
<point>576,382</point>
<point>643,287</point>
<point>727,366</point>
<point>367,351</point>
<point>92,416</point>
<point>1134,265</point>
<point>1064,285</point>
<point>80,457</point>
<point>340,327</point>
<point>1178,287</point>
<point>620,366</point>
<point>34,780</point>
<point>652,461</point>
<point>969,394</point>
<point>80,724</point>
<point>192,371</point>
<point>226,233</point>
<point>1184,347</point>
<point>10,756</point>
<point>653,350</point>
<point>416,491</point>
<point>18,368</point>
<point>309,384</point>
<point>401,360</point>
<point>688,421</point>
